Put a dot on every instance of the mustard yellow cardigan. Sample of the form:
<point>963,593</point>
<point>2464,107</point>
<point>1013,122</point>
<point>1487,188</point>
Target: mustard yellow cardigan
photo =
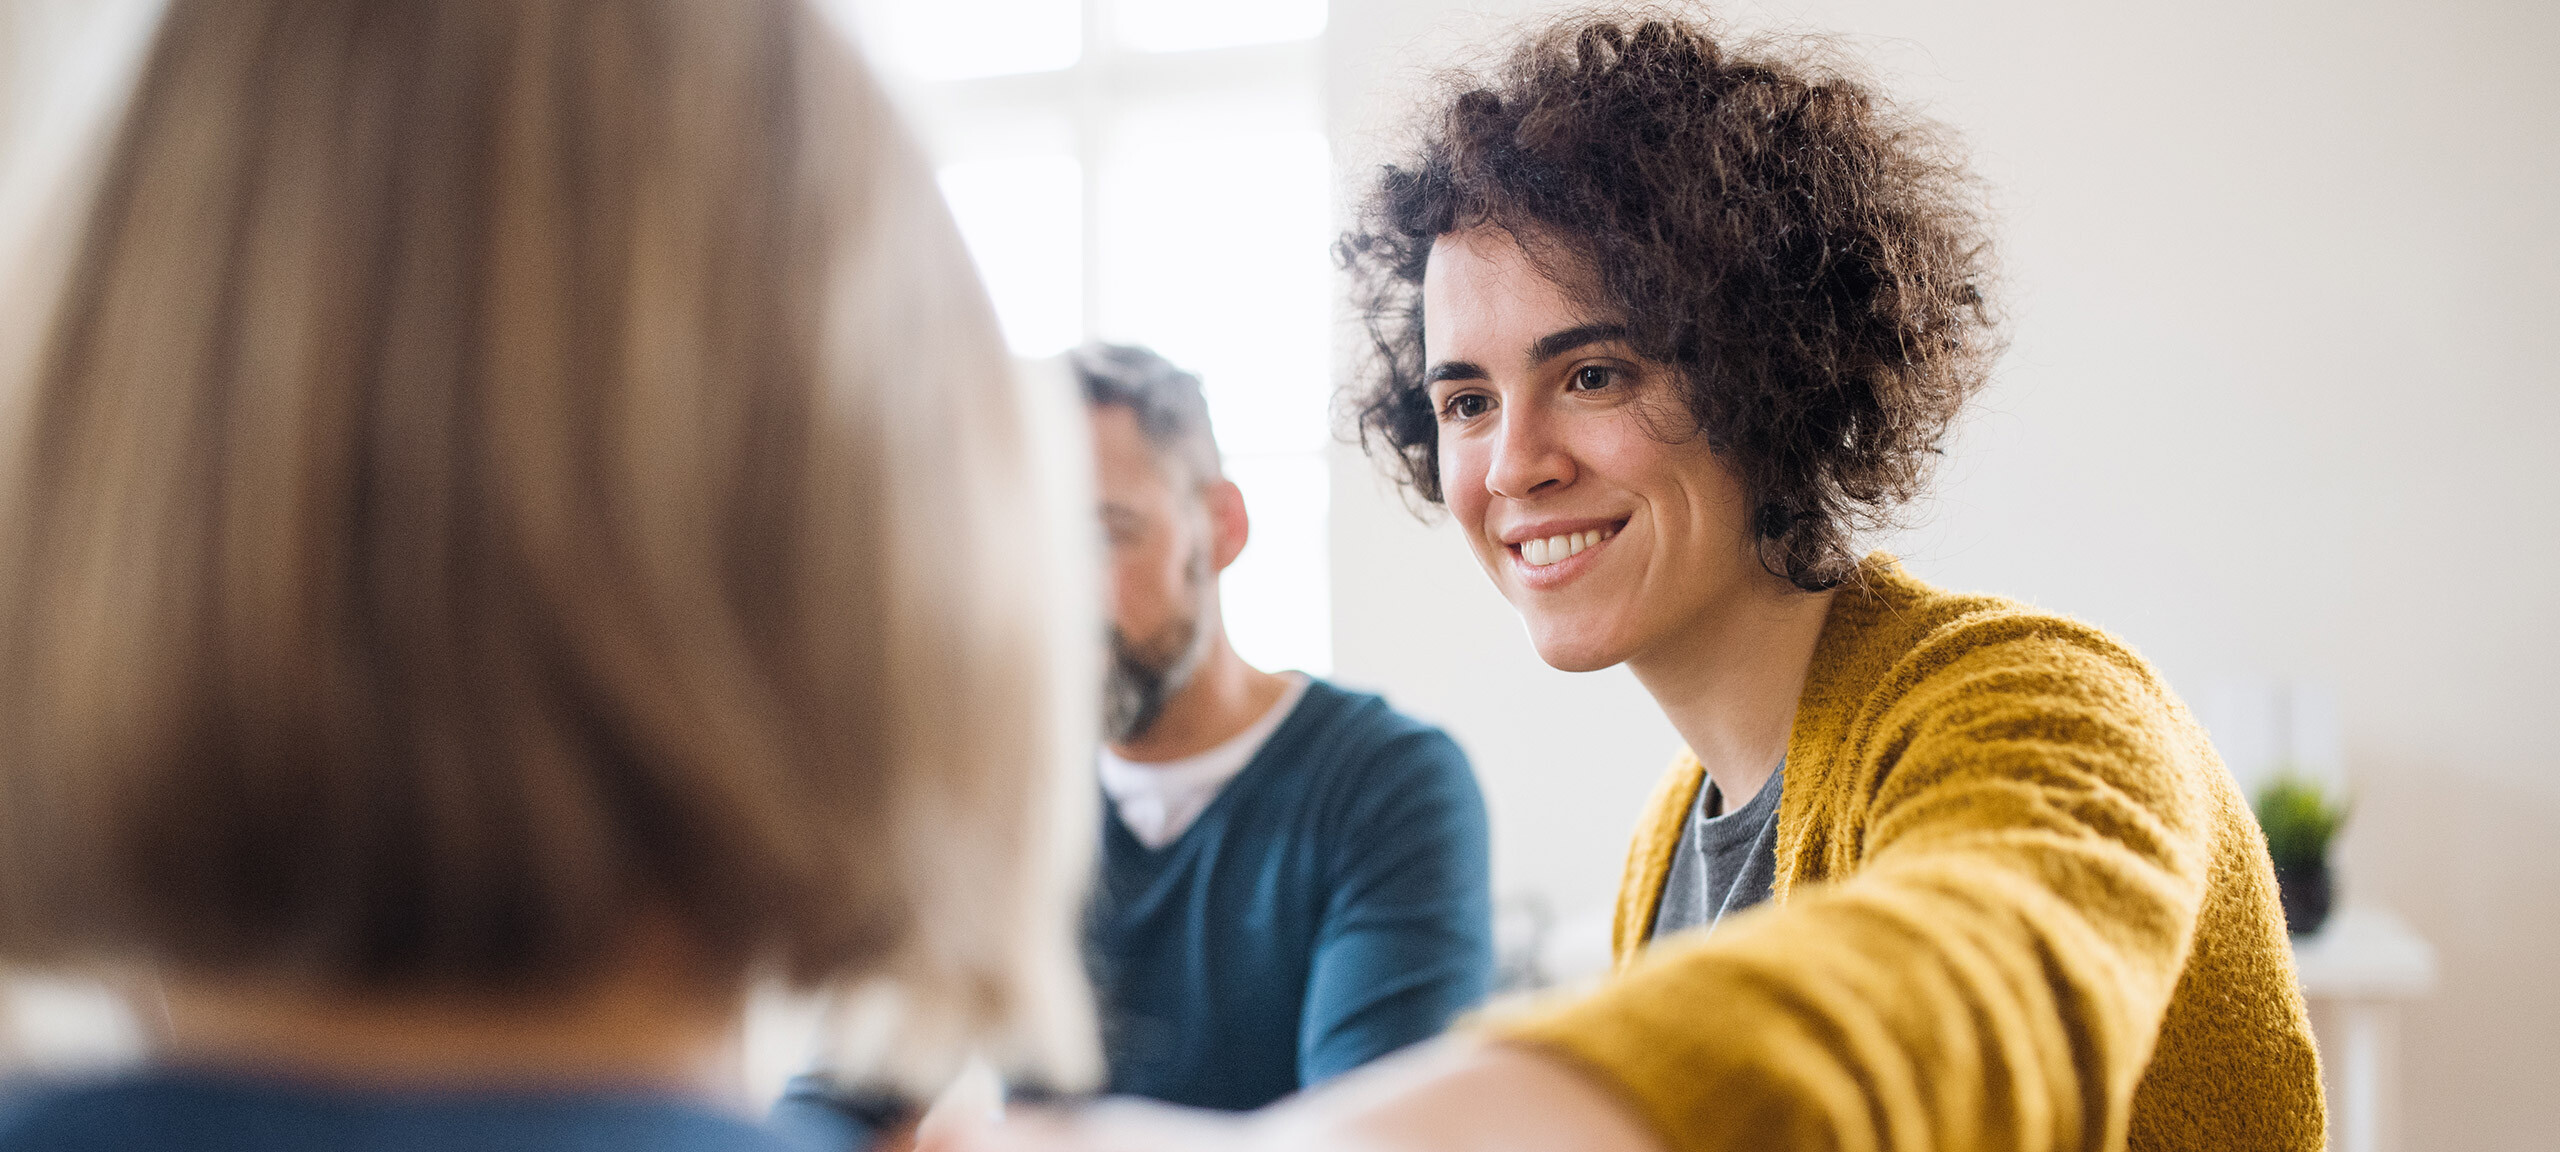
<point>2019,905</point>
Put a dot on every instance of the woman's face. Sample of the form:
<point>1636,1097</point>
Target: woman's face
<point>1572,466</point>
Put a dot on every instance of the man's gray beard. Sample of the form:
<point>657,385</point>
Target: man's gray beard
<point>1142,678</point>
<point>1140,681</point>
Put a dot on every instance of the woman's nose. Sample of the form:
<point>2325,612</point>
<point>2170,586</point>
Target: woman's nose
<point>1527,459</point>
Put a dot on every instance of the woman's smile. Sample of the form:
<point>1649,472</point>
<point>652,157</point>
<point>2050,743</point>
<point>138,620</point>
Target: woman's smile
<point>1549,554</point>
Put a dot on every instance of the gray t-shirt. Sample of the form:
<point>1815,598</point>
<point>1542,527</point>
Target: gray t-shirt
<point>1725,863</point>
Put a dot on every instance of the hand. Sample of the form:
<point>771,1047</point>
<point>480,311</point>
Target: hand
<point>1449,1096</point>
<point>1110,1126</point>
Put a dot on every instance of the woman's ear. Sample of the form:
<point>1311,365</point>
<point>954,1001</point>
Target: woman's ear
<point>1229,527</point>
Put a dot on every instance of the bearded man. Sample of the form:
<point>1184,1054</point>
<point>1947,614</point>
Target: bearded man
<point>1293,877</point>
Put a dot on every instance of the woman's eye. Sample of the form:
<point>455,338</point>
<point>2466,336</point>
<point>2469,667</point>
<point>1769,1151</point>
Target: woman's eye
<point>1592,378</point>
<point>1467,405</point>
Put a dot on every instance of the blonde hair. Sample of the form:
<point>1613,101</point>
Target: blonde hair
<point>491,471</point>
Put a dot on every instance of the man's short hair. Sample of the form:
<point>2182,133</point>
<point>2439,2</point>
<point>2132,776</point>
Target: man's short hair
<point>1167,401</point>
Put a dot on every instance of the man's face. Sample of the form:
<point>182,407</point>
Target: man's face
<point>1161,566</point>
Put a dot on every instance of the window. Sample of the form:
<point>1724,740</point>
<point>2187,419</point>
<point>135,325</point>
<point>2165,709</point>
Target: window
<point>1155,172</point>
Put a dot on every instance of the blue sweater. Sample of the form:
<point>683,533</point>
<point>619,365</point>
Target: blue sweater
<point>160,1111</point>
<point>1330,906</point>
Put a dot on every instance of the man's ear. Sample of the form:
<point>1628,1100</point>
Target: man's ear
<point>1229,527</point>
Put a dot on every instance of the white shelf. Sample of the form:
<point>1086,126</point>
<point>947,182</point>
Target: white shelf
<point>2364,961</point>
<point>2364,953</point>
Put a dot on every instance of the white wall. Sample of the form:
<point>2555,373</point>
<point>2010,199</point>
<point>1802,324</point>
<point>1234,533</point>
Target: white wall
<point>2278,408</point>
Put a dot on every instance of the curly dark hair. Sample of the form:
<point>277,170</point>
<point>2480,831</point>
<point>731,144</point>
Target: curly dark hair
<point>1810,261</point>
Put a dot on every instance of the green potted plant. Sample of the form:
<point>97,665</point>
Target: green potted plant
<point>2300,819</point>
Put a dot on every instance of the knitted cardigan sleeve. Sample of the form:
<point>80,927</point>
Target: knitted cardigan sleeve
<point>2018,830</point>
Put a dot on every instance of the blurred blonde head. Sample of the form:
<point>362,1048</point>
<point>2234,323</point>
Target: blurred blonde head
<point>489,474</point>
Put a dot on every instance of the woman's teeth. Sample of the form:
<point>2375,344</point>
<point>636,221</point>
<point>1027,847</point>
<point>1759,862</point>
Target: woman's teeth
<point>1553,549</point>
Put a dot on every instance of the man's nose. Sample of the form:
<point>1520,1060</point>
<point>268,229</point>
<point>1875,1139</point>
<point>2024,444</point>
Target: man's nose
<point>1528,459</point>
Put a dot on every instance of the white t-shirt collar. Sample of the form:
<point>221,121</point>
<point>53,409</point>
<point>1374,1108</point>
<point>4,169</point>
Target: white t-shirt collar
<point>1159,801</point>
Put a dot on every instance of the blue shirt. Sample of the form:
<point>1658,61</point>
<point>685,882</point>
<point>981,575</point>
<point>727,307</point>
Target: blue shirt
<point>163,1111</point>
<point>1332,905</point>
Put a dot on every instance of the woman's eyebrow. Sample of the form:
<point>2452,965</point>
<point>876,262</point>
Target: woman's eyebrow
<point>1557,344</point>
<point>1454,370</point>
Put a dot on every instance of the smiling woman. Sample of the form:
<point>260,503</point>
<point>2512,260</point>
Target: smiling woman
<point>1562,452</point>
<point>1665,322</point>
<point>1810,272</point>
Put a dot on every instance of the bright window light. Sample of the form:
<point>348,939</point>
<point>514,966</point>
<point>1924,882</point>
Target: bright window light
<point>966,39</point>
<point>1195,219</point>
<point>1215,251</point>
<point>1023,218</point>
<point>1278,594</point>
<point>1183,25</point>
